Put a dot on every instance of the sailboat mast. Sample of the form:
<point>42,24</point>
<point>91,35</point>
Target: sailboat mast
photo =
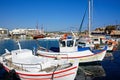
<point>89,17</point>
<point>37,30</point>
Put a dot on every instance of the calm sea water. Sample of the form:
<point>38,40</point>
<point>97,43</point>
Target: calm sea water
<point>26,44</point>
<point>109,68</point>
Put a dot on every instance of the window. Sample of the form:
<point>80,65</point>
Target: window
<point>70,43</point>
<point>62,43</point>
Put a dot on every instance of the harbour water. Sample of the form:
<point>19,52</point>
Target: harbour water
<point>108,69</point>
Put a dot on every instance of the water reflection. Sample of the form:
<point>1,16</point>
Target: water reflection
<point>90,71</point>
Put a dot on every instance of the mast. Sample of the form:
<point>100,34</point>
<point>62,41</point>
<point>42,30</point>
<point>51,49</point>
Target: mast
<point>89,17</point>
<point>37,30</point>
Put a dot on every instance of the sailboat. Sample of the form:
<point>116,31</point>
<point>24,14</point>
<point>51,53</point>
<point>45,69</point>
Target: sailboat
<point>86,41</point>
<point>39,34</point>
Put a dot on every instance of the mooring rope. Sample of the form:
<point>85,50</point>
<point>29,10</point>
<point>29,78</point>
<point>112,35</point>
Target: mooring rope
<point>54,71</point>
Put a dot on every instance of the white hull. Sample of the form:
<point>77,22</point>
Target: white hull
<point>29,72</point>
<point>65,74</point>
<point>83,56</point>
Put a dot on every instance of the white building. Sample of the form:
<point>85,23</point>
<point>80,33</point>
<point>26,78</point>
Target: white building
<point>24,31</point>
<point>4,33</point>
<point>18,31</point>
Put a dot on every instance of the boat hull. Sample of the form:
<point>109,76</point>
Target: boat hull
<point>89,57</point>
<point>66,74</point>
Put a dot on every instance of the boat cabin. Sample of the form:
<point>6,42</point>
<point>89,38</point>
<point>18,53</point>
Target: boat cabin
<point>67,45</point>
<point>96,40</point>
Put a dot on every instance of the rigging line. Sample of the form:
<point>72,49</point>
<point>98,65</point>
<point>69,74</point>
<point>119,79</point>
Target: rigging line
<point>82,22</point>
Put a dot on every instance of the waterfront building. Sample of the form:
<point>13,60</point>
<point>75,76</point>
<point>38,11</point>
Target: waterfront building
<point>4,33</point>
<point>23,33</point>
<point>115,33</point>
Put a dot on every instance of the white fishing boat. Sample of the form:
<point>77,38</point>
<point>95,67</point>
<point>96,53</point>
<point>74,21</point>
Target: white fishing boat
<point>68,49</point>
<point>31,67</point>
<point>85,42</point>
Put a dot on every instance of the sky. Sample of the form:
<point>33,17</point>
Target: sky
<point>57,15</point>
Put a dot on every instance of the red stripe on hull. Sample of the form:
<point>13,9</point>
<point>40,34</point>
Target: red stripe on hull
<point>46,76</point>
<point>70,57</point>
<point>57,72</point>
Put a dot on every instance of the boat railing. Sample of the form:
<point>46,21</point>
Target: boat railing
<point>22,66</point>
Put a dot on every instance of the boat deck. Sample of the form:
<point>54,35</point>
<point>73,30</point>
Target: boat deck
<point>12,65</point>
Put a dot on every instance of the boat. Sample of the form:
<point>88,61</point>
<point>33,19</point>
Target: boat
<point>28,66</point>
<point>68,49</point>
<point>85,42</point>
<point>112,45</point>
<point>39,36</point>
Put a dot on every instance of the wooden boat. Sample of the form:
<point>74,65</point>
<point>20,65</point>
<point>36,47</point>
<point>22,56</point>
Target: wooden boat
<point>31,67</point>
<point>68,49</point>
<point>39,36</point>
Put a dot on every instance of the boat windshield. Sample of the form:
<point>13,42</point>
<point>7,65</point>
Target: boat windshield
<point>62,43</point>
<point>70,43</point>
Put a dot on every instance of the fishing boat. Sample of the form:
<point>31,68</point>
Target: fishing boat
<point>68,49</point>
<point>112,45</point>
<point>31,67</point>
<point>85,42</point>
